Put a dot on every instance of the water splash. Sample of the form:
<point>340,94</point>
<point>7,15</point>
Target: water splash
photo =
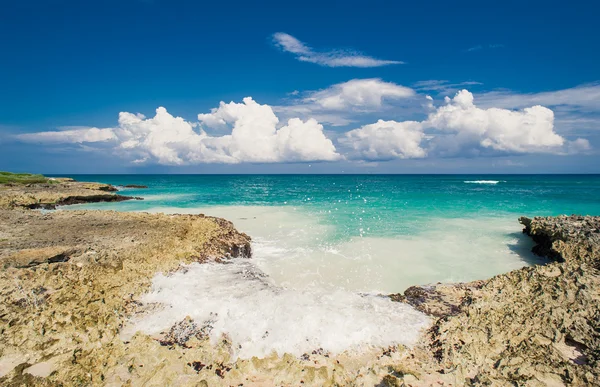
<point>239,301</point>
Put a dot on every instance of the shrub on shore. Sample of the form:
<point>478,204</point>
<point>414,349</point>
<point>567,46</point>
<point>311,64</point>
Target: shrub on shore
<point>22,178</point>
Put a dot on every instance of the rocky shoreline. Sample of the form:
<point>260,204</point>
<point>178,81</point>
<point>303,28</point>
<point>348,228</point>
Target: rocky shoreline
<point>537,326</point>
<point>57,192</point>
<point>70,280</point>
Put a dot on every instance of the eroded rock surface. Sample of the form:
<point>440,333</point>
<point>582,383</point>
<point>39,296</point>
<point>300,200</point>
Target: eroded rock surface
<point>70,281</point>
<point>57,192</point>
<point>71,278</point>
<point>537,326</point>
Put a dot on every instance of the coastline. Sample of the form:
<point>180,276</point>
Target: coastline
<point>57,192</point>
<point>66,295</point>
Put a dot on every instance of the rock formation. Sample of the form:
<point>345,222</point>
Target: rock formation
<point>57,192</point>
<point>70,281</point>
<point>536,326</point>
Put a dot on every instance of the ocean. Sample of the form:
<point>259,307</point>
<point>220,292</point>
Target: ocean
<point>327,247</point>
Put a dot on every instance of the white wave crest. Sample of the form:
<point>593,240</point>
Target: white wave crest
<point>484,181</point>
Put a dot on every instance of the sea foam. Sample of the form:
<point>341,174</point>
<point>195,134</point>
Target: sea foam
<point>303,290</point>
<point>260,318</point>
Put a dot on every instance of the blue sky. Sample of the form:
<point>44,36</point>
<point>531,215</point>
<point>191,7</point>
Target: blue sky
<point>70,67</point>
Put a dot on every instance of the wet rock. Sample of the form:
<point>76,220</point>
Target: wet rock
<point>439,300</point>
<point>182,332</point>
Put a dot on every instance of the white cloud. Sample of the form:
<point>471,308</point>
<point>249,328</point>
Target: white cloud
<point>580,97</point>
<point>529,130</point>
<point>362,94</point>
<point>254,136</point>
<point>460,128</point>
<point>386,140</point>
<point>340,104</point>
<point>443,86</point>
<point>576,109</point>
<point>170,140</point>
<point>164,138</point>
<point>253,133</point>
<point>580,145</point>
<point>73,136</point>
<point>481,47</point>
<point>332,58</point>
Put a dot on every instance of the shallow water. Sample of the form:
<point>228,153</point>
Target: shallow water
<point>326,246</point>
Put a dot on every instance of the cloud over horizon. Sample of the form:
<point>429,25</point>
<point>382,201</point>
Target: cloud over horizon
<point>386,140</point>
<point>168,140</point>
<point>330,58</point>
<point>338,103</point>
<point>460,128</point>
<point>74,136</point>
<point>257,133</point>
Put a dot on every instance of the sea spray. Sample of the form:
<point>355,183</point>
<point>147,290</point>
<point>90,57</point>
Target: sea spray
<point>239,301</point>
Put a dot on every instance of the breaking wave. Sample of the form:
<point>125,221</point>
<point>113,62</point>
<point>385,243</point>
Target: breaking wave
<point>238,301</point>
<point>484,181</point>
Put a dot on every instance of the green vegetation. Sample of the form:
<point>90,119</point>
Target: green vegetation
<point>21,178</point>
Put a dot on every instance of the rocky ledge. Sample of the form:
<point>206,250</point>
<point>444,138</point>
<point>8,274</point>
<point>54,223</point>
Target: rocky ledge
<point>536,326</point>
<point>70,280</point>
<point>57,192</point>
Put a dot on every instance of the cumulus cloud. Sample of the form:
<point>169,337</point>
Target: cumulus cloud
<point>164,138</point>
<point>529,130</point>
<point>170,140</point>
<point>460,128</point>
<point>251,132</point>
<point>580,145</point>
<point>331,58</point>
<point>254,136</point>
<point>386,140</point>
<point>576,109</point>
<point>358,93</point>
<point>73,136</point>
<point>340,103</point>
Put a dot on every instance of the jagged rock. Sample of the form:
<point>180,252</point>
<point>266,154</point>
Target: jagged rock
<point>439,300</point>
<point>71,279</point>
<point>537,325</point>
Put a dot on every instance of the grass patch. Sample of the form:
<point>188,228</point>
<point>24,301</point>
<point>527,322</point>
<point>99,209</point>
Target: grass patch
<point>21,178</point>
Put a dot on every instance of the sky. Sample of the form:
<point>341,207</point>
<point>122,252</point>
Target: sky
<point>156,86</point>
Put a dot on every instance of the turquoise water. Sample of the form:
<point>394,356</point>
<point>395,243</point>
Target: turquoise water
<point>371,233</point>
<point>326,247</point>
<point>369,205</point>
